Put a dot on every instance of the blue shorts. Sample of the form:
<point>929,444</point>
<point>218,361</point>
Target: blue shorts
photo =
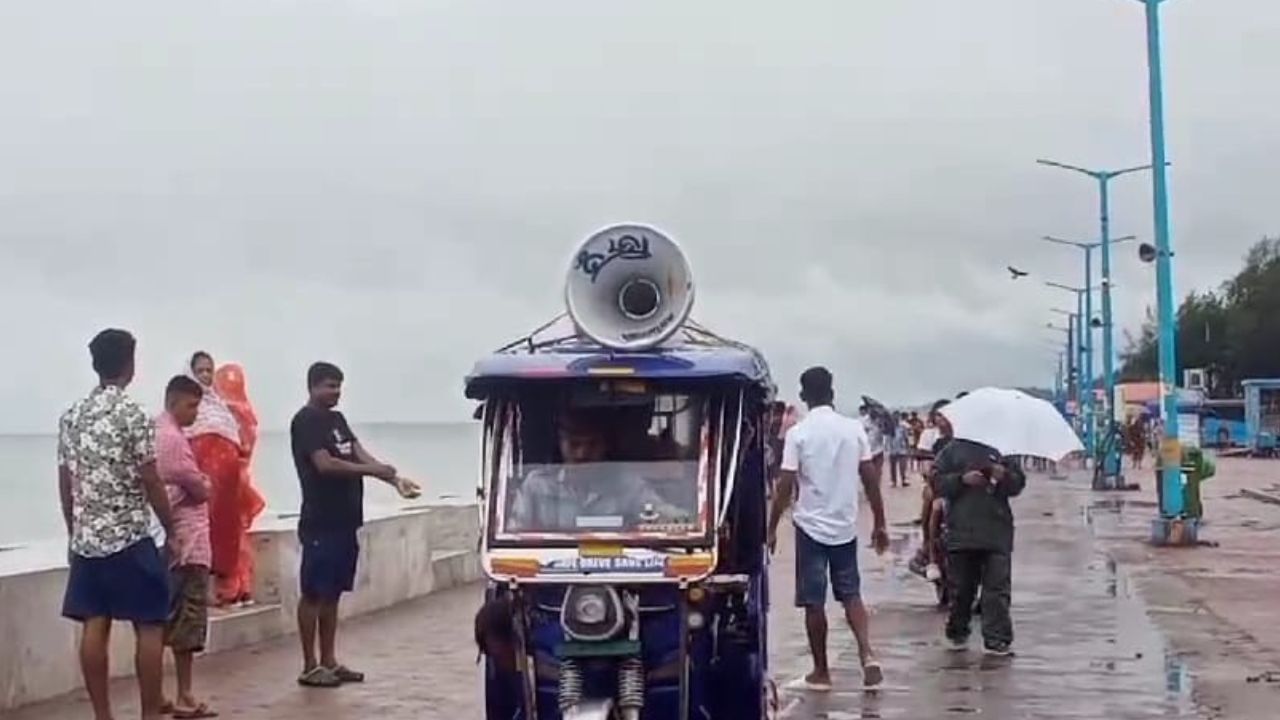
<point>131,585</point>
<point>814,560</point>
<point>328,563</point>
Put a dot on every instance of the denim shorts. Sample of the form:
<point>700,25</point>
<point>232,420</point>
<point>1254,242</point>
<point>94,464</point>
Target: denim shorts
<point>130,585</point>
<point>329,559</point>
<point>815,560</point>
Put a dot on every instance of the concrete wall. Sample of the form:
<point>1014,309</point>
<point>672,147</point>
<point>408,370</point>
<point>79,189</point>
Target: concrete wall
<point>404,555</point>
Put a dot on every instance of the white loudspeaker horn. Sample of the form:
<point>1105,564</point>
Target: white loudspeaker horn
<point>629,287</point>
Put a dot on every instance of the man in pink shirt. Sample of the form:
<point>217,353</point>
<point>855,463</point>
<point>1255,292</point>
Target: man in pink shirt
<point>191,556</point>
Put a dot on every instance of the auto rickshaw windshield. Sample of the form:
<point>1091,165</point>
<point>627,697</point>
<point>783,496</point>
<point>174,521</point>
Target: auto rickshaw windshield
<point>605,467</point>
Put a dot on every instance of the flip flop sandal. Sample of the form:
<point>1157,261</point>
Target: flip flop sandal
<point>319,677</point>
<point>872,675</point>
<point>196,713</point>
<point>166,708</point>
<point>803,683</point>
<point>347,675</point>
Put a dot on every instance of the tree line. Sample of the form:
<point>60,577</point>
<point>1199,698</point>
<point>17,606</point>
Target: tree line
<point>1233,332</point>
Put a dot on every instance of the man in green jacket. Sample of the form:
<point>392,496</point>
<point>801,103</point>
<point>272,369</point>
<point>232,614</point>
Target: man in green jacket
<point>976,483</point>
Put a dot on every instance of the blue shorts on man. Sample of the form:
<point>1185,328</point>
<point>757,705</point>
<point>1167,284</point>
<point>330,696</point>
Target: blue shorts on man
<point>131,585</point>
<point>815,561</point>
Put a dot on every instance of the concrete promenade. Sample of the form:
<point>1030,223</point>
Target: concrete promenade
<point>1106,628</point>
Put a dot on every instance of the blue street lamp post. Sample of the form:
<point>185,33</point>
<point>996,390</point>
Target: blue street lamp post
<point>1061,385</point>
<point>1109,477</point>
<point>1058,382</point>
<point>1082,353</point>
<point>1166,529</point>
<point>1071,370</point>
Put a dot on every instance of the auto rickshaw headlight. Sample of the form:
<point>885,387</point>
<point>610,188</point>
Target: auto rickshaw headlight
<point>592,613</point>
<point>590,609</point>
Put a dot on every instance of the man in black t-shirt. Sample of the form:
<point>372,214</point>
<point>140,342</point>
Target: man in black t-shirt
<point>331,466</point>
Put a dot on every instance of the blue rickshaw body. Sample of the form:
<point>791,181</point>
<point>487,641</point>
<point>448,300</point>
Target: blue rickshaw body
<point>717,643</point>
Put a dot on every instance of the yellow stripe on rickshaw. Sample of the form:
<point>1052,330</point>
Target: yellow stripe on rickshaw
<point>611,371</point>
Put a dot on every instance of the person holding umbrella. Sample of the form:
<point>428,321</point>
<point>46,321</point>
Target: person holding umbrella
<point>977,483</point>
<point>977,476</point>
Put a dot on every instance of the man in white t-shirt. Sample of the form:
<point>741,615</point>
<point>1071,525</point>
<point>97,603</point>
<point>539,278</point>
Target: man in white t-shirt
<point>824,457</point>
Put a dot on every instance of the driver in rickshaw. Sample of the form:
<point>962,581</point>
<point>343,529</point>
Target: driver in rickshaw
<point>587,492</point>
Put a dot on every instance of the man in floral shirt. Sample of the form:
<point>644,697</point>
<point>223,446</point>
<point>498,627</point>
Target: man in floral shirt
<point>108,487</point>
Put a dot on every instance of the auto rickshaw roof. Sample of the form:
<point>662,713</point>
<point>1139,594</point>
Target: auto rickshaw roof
<point>557,352</point>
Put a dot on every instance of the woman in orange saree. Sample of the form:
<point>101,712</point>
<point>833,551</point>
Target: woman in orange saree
<point>229,383</point>
<point>215,442</point>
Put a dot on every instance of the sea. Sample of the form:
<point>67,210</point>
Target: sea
<point>443,457</point>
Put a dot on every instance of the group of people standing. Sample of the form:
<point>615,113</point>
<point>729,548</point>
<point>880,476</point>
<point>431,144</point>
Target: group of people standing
<point>158,511</point>
<point>902,441</point>
<point>827,461</point>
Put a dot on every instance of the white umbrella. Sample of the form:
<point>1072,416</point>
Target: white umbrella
<point>1012,422</point>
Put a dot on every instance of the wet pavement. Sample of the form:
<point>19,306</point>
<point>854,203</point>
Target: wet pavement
<point>1085,647</point>
<point>1215,604</point>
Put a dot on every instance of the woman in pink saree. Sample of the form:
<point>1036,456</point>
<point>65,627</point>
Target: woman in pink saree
<point>218,440</point>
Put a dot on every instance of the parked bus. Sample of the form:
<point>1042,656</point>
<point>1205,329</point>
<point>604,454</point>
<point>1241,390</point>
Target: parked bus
<point>1222,424</point>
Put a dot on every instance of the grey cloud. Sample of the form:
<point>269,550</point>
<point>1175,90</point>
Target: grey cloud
<point>397,185</point>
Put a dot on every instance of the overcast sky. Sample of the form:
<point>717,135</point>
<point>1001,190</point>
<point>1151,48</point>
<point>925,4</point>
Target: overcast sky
<point>395,186</point>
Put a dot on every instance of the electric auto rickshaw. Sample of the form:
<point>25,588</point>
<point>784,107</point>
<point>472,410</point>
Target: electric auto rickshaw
<point>624,491</point>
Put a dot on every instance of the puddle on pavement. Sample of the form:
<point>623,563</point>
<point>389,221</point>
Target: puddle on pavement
<point>864,706</point>
<point>1108,515</point>
<point>1135,628</point>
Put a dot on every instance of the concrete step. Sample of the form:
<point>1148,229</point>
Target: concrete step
<point>232,628</point>
<point>450,568</point>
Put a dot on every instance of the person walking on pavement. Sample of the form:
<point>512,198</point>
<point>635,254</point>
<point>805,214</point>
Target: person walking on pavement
<point>898,451</point>
<point>331,465</point>
<point>977,484</point>
<point>821,457</point>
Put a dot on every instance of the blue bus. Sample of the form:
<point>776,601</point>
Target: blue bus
<point>1223,425</point>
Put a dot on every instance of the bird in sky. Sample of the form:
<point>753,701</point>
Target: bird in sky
<point>1016,273</point>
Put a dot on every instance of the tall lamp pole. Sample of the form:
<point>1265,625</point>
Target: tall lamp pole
<point>1171,505</point>
<point>1059,381</point>
<point>1110,464</point>
<point>1059,378</point>
<point>1071,371</point>
<point>1082,350</point>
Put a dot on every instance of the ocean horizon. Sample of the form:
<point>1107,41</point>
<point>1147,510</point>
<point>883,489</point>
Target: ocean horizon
<point>443,456</point>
